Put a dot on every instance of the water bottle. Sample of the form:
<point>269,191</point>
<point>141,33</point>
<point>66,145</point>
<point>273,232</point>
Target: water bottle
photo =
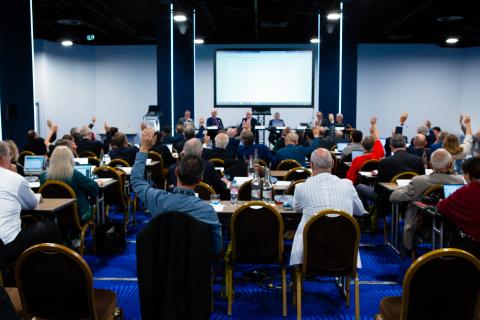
<point>255,157</point>
<point>250,167</point>
<point>267,188</point>
<point>256,186</point>
<point>234,192</point>
<point>106,159</point>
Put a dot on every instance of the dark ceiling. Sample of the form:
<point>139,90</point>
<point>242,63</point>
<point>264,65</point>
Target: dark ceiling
<point>261,21</point>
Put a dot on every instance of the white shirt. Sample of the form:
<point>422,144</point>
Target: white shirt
<point>15,195</point>
<point>320,192</point>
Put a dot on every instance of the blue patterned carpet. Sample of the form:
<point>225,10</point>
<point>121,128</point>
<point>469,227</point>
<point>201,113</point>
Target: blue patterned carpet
<point>380,276</point>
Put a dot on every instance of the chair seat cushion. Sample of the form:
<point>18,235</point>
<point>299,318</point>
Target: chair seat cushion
<point>14,298</point>
<point>105,303</point>
<point>390,308</point>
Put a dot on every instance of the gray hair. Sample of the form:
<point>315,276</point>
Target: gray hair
<point>189,132</point>
<point>61,164</point>
<point>397,141</point>
<point>420,140</point>
<point>193,147</point>
<point>422,130</point>
<point>221,140</point>
<point>441,159</point>
<point>85,132</point>
<point>322,159</point>
<point>4,150</point>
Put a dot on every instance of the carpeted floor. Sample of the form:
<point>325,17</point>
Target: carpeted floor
<point>259,297</point>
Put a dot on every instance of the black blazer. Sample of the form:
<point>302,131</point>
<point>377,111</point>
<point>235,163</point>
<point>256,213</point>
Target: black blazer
<point>173,264</point>
<point>215,152</point>
<point>253,123</point>
<point>232,145</point>
<point>163,150</point>
<point>94,146</point>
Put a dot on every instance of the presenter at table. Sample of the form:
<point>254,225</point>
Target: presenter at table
<point>214,121</point>
<point>249,122</point>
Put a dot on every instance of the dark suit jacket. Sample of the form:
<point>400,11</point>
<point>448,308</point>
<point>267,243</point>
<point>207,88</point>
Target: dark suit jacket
<point>94,146</point>
<point>208,154</point>
<point>128,154</point>
<point>253,123</point>
<point>163,150</point>
<point>210,122</point>
<point>232,145</point>
<point>38,146</point>
<point>168,139</point>
<point>419,151</point>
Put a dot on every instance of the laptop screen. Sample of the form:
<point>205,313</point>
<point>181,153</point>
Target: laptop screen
<point>356,154</point>
<point>34,164</point>
<point>341,146</point>
<point>448,189</point>
<point>86,170</point>
<point>81,160</point>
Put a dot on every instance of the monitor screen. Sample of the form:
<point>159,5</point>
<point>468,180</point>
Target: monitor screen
<point>86,170</point>
<point>81,160</point>
<point>341,146</point>
<point>448,189</point>
<point>34,164</point>
<point>356,154</point>
<point>248,78</point>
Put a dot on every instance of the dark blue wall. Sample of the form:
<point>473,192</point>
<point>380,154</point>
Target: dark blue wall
<point>349,74</point>
<point>328,80</point>
<point>163,69</point>
<point>16,76</point>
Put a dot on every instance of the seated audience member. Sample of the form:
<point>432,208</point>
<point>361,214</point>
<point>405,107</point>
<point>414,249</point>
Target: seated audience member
<point>178,134</point>
<point>70,144</point>
<point>373,150</point>
<point>339,137</point>
<point>87,144</point>
<point>438,144</point>
<point>188,133</point>
<point>463,210</point>
<point>233,141</point>
<point>248,148</point>
<point>12,147</point>
<point>61,167</point>
<point>272,124</point>
<point>426,131</point>
<point>388,168</point>
<point>452,144</point>
<point>35,143</point>
<point>219,151</point>
<point>210,175</point>
<point>441,163</point>
<point>396,130</point>
<point>15,195</point>
<point>121,149</point>
<point>354,145</point>
<point>167,134</point>
<point>249,123</point>
<point>163,150</point>
<point>436,132</point>
<point>294,151</point>
<point>281,141</point>
<point>75,132</point>
<point>186,119</point>
<point>322,191</point>
<point>189,173</point>
<point>418,148</point>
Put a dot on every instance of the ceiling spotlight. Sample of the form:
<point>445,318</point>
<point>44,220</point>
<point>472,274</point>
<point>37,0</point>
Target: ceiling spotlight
<point>67,43</point>
<point>90,37</point>
<point>199,41</point>
<point>314,40</point>
<point>452,40</point>
<point>180,18</point>
<point>334,16</point>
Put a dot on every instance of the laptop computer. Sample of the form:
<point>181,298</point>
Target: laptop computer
<point>341,146</point>
<point>449,189</point>
<point>34,165</point>
<point>356,154</point>
<point>81,160</point>
<point>84,169</point>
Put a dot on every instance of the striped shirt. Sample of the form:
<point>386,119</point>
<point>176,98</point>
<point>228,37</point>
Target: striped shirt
<point>320,192</point>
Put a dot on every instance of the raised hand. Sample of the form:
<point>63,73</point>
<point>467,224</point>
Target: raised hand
<point>54,127</point>
<point>428,124</point>
<point>373,121</point>
<point>461,119</point>
<point>148,139</point>
<point>94,119</point>
<point>49,123</point>
<point>106,126</point>
<point>316,131</point>
<point>403,117</point>
<point>143,126</point>
<point>466,119</point>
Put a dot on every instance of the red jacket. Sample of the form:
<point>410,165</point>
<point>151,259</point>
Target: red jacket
<point>463,209</point>
<point>357,163</point>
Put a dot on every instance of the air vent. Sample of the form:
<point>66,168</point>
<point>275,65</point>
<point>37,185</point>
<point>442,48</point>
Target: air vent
<point>69,22</point>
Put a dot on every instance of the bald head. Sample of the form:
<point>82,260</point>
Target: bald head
<point>419,141</point>
<point>291,138</point>
<point>221,140</point>
<point>441,160</point>
<point>321,160</point>
<point>193,147</point>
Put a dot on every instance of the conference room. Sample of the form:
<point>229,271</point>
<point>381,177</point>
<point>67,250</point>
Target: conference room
<point>260,159</point>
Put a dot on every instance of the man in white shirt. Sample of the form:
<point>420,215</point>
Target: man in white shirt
<point>322,191</point>
<point>15,195</point>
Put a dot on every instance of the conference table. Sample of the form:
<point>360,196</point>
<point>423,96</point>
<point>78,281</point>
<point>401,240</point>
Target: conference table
<point>47,208</point>
<point>226,208</point>
<point>437,223</point>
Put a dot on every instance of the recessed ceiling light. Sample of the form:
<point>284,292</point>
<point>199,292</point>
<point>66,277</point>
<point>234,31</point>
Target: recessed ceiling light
<point>334,16</point>
<point>199,41</point>
<point>180,18</point>
<point>314,40</point>
<point>69,22</point>
<point>452,40</point>
<point>450,18</point>
<point>90,37</point>
<point>67,43</point>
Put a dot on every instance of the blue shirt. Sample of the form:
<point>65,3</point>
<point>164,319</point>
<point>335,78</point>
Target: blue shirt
<point>297,153</point>
<point>264,153</point>
<point>181,199</point>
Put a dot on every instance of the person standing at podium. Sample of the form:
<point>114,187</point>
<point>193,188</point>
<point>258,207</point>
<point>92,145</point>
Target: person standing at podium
<point>275,134</point>
<point>249,123</point>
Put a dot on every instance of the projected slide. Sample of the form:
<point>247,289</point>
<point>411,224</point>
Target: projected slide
<point>264,78</point>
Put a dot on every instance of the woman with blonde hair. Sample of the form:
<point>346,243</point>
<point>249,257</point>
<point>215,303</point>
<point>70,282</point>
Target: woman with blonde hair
<point>61,167</point>
<point>453,146</point>
<point>13,154</point>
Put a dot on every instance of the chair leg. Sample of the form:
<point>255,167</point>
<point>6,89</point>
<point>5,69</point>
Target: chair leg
<point>357,298</point>
<point>81,250</point>
<point>298,280</point>
<point>347,291</point>
<point>385,236</point>
<point>284,291</point>
<point>230,289</point>
<point>212,276</point>
<point>94,237</point>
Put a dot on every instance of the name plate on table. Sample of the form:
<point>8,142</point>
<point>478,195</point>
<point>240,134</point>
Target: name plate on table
<point>212,128</point>
<point>403,182</point>
<point>259,127</point>
<point>340,128</point>
<point>281,128</point>
<point>301,128</point>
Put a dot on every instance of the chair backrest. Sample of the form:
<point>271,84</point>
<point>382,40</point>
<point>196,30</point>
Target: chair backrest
<point>335,162</point>
<point>94,161</point>
<point>330,243</point>
<point>245,191</point>
<point>297,174</point>
<point>217,162</point>
<point>442,284</point>
<point>204,191</point>
<point>86,154</point>
<point>333,148</point>
<point>291,188</point>
<point>115,195</point>
<point>155,156</point>
<point>118,163</point>
<point>256,231</point>
<point>370,165</point>
<point>59,189</point>
<point>157,170</point>
<point>288,164</point>
<point>404,175</point>
<point>22,155</point>
<point>54,282</point>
